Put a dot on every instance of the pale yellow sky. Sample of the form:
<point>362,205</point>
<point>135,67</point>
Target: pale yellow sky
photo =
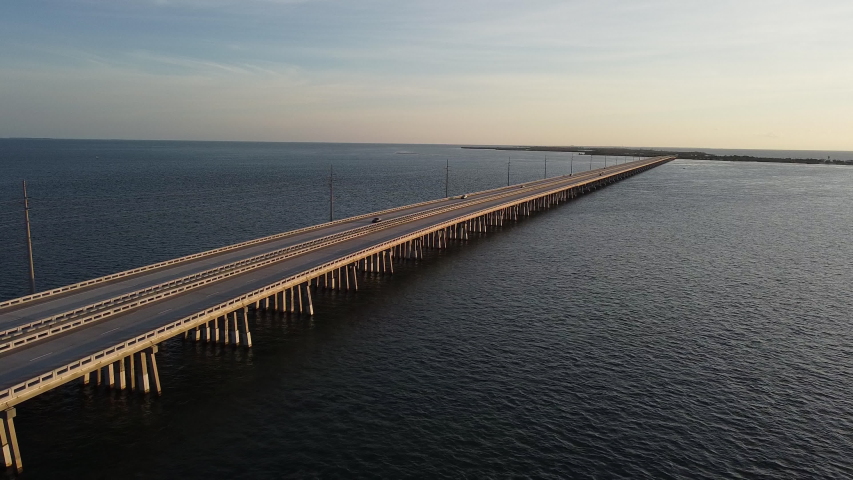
<point>747,74</point>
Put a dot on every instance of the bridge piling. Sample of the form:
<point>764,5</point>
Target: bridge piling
<point>131,373</point>
<point>144,384</point>
<point>9,439</point>
<point>155,374</point>
<point>111,376</point>
<point>122,375</point>
<point>309,303</point>
<point>246,327</point>
<point>236,330</point>
<point>354,278</point>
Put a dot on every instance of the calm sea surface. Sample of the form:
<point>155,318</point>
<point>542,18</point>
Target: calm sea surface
<point>690,322</point>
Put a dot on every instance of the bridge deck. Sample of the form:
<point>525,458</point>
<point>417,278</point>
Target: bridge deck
<point>20,366</point>
<point>21,313</point>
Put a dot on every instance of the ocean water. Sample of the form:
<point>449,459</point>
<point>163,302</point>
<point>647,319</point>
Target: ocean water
<point>689,322</point>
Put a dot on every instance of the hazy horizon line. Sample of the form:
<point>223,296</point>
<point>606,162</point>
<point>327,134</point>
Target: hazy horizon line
<point>432,144</point>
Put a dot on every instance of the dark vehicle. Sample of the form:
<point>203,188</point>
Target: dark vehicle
<point>463,197</point>
<point>376,220</point>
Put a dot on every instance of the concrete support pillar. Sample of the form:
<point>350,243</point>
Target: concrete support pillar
<point>87,377</point>
<point>132,373</point>
<point>246,327</point>
<point>111,377</point>
<point>236,328</point>
<point>144,383</point>
<point>122,375</point>
<point>155,374</point>
<point>309,304</point>
<point>9,440</point>
<point>225,334</point>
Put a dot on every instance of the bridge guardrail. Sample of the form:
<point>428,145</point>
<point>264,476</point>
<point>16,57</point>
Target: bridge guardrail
<point>24,334</point>
<point>73,370</point>
<point>126,273</point>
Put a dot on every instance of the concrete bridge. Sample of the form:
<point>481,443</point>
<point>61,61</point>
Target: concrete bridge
<point>107,330</point>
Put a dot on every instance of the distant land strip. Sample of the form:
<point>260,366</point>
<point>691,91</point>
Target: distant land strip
<point>647,152</point>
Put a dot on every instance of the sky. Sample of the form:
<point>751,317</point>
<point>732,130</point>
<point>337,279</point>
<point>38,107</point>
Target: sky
<point>770,74</point>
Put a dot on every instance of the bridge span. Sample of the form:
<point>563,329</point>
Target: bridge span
<point>107,330</point>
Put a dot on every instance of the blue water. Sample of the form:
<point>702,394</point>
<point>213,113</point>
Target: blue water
<point>689,322</point>
<point>121,204</point>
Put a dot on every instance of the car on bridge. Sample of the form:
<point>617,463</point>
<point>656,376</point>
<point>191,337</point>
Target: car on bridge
<point>376,220</point>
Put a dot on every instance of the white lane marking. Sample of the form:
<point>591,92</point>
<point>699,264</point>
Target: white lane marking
<point>166,310</point>
<point>108,331</point>
<point>42,356</point>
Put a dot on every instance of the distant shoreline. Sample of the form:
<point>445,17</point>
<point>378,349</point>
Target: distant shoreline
<point>646,152</point>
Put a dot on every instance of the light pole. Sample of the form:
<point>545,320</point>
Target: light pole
<point>546,167</point>
<point>507,170</point>
<point>331,193</point>
<point>572,165</point>
<point>29,239</point>
<point>447,179</point>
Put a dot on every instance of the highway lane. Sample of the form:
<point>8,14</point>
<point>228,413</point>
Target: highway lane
<point>31,361</point>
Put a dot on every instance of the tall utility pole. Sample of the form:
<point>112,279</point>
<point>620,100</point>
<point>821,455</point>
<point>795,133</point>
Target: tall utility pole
<point>507,170</point>
<point>447,179</point>
<point>29,239</point>
<point>590,162</point>
<point>605,161</point>
<point>572,165</point>
<point>331,193</point>
<point>546,166</point>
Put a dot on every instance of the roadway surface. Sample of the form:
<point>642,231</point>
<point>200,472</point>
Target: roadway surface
<point>24,363</point>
